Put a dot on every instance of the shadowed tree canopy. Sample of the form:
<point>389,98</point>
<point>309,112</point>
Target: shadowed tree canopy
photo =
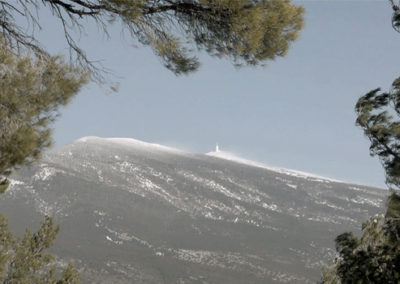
<point>248,32</point>
<point>372,258</point>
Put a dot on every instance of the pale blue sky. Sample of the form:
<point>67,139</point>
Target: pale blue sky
<point>297,113</point>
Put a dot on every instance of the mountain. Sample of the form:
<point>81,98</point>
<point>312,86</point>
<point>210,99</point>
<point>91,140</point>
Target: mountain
<point>134,212</point>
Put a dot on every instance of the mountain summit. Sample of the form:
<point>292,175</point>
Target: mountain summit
<point>136,212</point>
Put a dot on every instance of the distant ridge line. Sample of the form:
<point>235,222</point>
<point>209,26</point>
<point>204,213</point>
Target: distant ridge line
<point>218,153</point>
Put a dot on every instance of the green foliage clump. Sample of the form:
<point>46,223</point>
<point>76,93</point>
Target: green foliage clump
<point>31,91</point>
<point>24,259</point>
<point>378,114</point>
<point>372,258</point>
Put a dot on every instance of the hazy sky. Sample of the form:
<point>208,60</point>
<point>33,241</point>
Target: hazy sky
<point>298,112</point>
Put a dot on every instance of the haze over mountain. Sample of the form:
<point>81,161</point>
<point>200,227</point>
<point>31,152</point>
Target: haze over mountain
<point>134,212</point>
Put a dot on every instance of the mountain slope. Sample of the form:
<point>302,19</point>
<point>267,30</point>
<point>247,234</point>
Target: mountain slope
<point>134,212</point>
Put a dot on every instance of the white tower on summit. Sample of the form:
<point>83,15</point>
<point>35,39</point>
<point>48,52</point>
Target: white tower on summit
<point>216,148</point>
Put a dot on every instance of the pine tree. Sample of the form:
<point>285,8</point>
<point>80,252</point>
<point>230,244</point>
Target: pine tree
<point>375,257</point>
<point>24,260</point>
<point>247,32</point>
<point>31,92</point>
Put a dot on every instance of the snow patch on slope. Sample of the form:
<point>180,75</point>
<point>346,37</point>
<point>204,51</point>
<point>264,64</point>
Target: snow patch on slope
<point>46,172</point>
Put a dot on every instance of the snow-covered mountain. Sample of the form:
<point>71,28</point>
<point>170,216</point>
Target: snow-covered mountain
<point>134,212</point>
